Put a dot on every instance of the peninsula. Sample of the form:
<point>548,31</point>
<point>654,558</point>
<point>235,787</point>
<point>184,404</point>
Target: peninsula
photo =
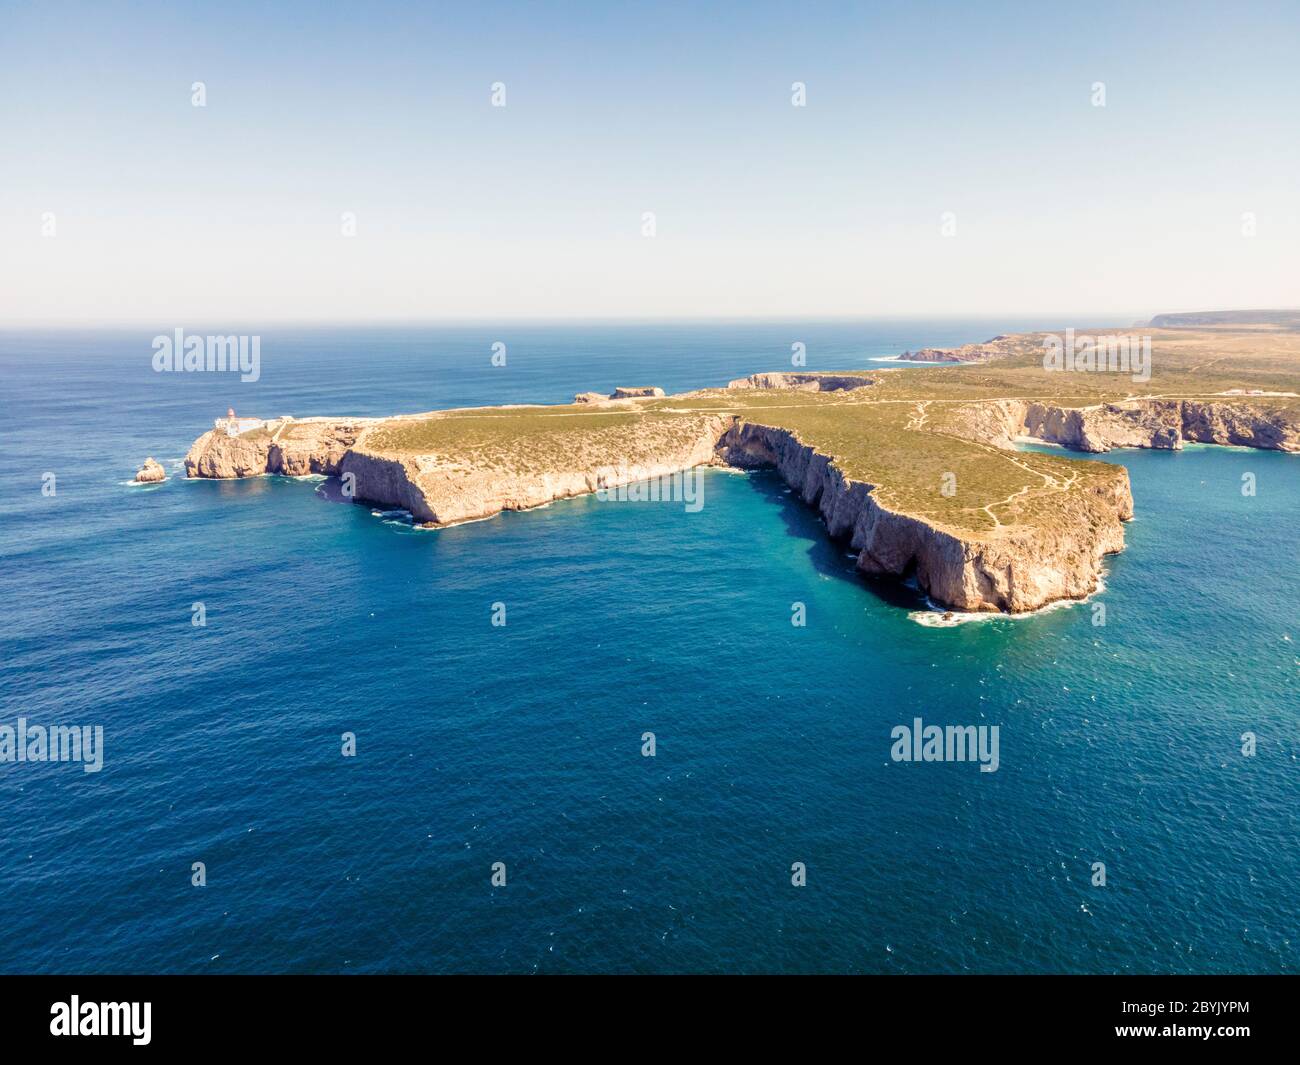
<point>918,470</point>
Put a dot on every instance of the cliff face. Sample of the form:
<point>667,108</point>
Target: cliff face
<point>215,454</point>
<point>315,447</point>
<point>1158,423</point>
<point>807,382</point>
<point>293,448</point>
<point>1017,569</point>
<point>1239,424</point>
<point>439,492</point>
<point>1151,424</point>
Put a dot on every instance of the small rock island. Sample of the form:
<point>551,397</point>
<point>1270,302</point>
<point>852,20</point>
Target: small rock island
<point>150,472</point>
<point>918,470</point>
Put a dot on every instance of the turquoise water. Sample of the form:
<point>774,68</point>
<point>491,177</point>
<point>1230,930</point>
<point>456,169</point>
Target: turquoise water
<point>522,744</point>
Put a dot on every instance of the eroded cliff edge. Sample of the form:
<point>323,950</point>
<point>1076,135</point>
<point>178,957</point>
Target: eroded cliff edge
<point>1160,423</point>
<point>288,446</point>
<point>439,488</point>
<point>1011,568</point>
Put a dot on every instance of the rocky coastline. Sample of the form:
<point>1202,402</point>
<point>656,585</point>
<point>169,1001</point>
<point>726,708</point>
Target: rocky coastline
<point>1014,567</point>
<point>1015,570</point>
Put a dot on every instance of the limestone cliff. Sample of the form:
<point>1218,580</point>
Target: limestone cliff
<point>287,446</point>
<point>215,454</point>
<point>1014,568</point>
<point>1161,423</point>
<point>439,491</point>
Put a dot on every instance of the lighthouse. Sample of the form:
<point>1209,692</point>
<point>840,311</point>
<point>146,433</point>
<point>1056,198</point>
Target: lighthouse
<point>233,425</point>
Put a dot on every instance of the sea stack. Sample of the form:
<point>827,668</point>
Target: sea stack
<point>151,471</point>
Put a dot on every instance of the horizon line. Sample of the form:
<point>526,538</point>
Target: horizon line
<point>1125,317</point>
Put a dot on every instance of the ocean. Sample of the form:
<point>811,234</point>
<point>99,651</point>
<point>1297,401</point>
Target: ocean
<point>521,743</point>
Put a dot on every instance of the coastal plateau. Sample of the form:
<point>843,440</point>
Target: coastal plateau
<point>918,470</point>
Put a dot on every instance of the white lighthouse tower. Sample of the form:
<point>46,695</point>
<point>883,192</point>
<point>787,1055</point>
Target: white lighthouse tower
<point>232,425</point>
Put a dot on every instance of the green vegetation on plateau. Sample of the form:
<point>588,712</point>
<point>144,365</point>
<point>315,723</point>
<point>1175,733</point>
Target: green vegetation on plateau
<point>905,432</point>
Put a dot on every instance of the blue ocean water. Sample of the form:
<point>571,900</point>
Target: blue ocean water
<point>522,744</point>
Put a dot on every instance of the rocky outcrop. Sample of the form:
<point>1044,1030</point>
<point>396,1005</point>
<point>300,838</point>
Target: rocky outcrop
<point>215,454</point>
<point>150,472</point>
<point>806,382</point>
<point>290,447</point>
<point>648,392</point>
<point>1014,569</point>
<point>637,393</point>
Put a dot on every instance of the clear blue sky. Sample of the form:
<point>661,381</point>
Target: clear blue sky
<point>233,211</point>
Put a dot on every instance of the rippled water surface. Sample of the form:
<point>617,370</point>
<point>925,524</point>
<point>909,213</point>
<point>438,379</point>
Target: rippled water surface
<point>522,744</point>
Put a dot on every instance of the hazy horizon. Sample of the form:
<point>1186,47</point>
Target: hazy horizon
<point>353,167</point>
<point>1100,318</point>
